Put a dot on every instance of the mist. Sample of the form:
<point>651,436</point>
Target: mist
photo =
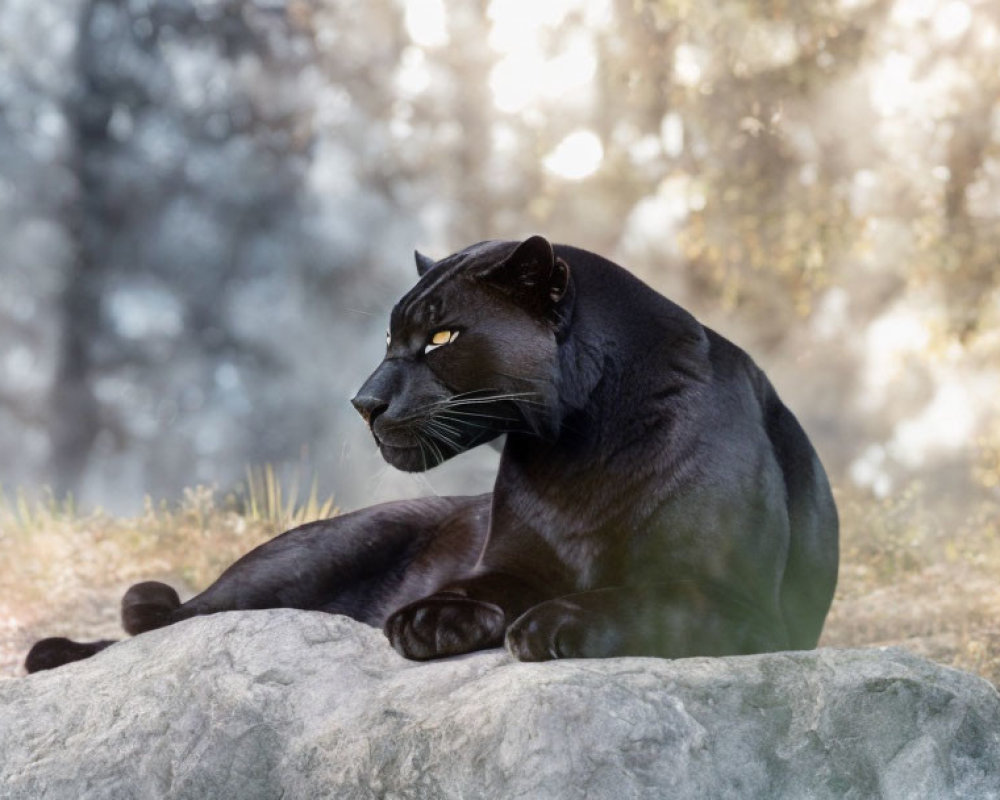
<point>208,207</point>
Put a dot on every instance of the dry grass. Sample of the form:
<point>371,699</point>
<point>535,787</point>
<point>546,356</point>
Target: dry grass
<point>64,573</point>
<point>910,574</point>
<point>918,573</point>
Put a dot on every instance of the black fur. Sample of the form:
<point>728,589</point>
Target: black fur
<point>54,652</point>
<point>654,495</point>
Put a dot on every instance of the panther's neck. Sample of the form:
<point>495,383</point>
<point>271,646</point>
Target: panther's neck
<point>624,344</point>
<point>629,358</point>
<point>606,468</point>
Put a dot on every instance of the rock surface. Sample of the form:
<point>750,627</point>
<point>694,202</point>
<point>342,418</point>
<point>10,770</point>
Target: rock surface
<point>296,704</point>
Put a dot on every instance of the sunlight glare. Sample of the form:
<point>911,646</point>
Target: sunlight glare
<point>524,78</point>
<point>892,87</point>
<point>946,423</point>
<point>892,339</point>
<point>426,22</point>
<point>869,470</point>
<point>413,77</point>
<point>672,134</point>
<point>952,20</point>
<point>518,24</point>
<point>910,12</point>
<point>576,157</point>
<point>688,65</point>
<point>533,70</point>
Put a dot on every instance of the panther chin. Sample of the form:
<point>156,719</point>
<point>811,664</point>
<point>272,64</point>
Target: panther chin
<point>412,458</point>
<point>420,458</point>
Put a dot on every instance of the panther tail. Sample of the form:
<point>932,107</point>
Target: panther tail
<point>145,606</point>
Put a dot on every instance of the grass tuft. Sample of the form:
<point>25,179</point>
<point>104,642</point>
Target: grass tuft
<point>266,500</point>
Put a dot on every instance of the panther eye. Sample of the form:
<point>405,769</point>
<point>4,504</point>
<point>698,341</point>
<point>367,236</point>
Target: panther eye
<point>440,339</point>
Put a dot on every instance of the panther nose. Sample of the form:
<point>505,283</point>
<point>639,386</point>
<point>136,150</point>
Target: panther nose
<point>369,407</point>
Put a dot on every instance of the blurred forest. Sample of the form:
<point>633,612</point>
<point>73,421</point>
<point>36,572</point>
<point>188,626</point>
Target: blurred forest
<point>207,208</point>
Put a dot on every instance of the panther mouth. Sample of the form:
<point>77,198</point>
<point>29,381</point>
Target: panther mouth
<point>423,443</point>
<point>413,448</point>
<point>393,438</point>
<point>410,458</point>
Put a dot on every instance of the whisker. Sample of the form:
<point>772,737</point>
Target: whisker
<point>423,452</point>
<point>431,435</point>
<point>460,415</point>
<point>437,431</point>
<point>475,392</point>
<point>525,398</point>
<point>437,423</point>
<point>435,450</point>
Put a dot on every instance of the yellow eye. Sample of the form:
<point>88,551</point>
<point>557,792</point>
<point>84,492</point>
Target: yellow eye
<point>441,338</point>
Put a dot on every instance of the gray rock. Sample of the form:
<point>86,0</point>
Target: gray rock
<point>296,704</point>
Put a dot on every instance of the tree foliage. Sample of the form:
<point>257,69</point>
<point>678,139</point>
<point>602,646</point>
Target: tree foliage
<point>208,206</point>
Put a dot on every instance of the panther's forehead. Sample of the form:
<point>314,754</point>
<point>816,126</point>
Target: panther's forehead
<point>428,301</point>
<point>422,313</point>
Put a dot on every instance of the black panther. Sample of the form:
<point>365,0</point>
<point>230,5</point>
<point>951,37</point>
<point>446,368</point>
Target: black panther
<point>654,495</point>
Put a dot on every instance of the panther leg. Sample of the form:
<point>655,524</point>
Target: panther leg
<point>364,564</point>
<point>672,620</point>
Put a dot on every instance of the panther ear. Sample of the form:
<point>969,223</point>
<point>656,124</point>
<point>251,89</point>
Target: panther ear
<point>424,263</point>
<point>531,275</point>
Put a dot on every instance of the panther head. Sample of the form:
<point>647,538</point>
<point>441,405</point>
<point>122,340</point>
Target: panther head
<point>471,353</point>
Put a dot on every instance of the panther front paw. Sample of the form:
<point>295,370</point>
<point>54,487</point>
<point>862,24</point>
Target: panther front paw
<point>444,625</point>
<point>560,629</point>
